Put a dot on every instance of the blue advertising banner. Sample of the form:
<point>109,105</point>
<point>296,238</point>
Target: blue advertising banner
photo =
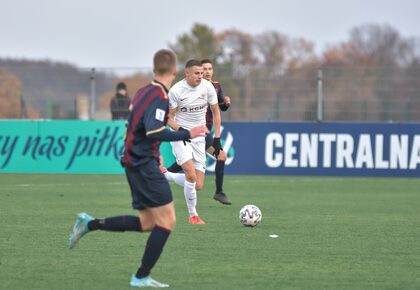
<point>266,148</point>
<point>330,149</point>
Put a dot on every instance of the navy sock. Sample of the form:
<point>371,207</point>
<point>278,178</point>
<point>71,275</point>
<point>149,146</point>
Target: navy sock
<point>154,248</point>
<point>175,168</point>
<point>220,172</point>
<point>116,224</point>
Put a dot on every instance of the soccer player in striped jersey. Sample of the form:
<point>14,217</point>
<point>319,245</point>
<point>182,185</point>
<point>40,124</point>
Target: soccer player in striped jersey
<point>224,104</point>
<point>150,191</point>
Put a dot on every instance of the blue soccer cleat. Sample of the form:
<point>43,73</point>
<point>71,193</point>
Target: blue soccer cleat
<point>146,282</point>
<point>80,228</point>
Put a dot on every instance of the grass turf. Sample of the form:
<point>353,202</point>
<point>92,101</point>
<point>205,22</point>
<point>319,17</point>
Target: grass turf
<point>334,233</point>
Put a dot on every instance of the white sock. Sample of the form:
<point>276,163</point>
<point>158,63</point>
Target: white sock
<point>190,195</point>
<point>178,178</point>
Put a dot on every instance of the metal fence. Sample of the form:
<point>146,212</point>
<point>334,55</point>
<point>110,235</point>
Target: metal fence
<point>330,93</point>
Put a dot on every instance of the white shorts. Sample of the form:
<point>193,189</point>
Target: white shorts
<point>194,150</point>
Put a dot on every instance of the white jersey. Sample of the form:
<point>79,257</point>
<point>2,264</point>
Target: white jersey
<point>191,102</point>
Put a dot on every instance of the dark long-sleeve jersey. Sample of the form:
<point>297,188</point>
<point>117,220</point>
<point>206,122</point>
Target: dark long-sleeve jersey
<point>221,99</point>
<point>146,125</point>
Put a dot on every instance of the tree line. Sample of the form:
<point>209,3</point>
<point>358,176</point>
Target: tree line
<point>372,75</point>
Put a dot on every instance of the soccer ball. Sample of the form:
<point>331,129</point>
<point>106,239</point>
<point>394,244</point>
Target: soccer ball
<point>250,215</point>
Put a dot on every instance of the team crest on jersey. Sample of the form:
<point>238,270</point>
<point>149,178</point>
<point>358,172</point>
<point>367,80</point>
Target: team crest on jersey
<point>203,96</point>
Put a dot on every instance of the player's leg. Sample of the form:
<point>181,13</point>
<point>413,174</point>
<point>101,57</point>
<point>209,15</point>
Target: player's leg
<point>175,168</point>
<point>164,220</point>
<point>219,172</point>
<point>156,198</point>
<point>183,154</point>
<point>198,168</point>
<point>86,223</point>
<point>178,178</point>
<point>142,223</point>
<point>190,192</point>
<point>194,218</point>
<point>200,179</point>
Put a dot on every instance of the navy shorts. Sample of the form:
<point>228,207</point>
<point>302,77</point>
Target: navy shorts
<point>149,187</point>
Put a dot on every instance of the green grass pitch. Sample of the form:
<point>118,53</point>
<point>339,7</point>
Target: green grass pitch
<point>334,233</point>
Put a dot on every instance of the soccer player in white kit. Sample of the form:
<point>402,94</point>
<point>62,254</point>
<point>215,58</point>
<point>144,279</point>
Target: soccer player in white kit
<point>188,102</point>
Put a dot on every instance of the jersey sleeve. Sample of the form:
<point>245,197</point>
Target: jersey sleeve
<point>220,95</point>
<point>212,95</point>
<point>173,99</point>
<point>155,116</point>
<point>221,99</point>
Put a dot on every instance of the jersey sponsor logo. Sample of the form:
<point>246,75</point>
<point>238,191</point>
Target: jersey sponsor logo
<point>160,115</point>
<point>194,109</point>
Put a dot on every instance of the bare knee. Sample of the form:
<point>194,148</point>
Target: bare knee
<point>165,216</point>
<point>168,222</point>
<point>199,186</point>
<point>171,223</point>
<point>191,177</point>
<point>200,180</point>
<point>147,222</point>
<point>222,156</point>
<point>189,172</point>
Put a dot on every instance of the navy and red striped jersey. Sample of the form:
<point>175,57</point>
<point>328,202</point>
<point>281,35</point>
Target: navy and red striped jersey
<point>222,106</point>
<point>149,110</point>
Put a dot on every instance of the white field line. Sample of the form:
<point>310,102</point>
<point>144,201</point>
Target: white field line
<point>280,180</point>
<point>228,179</point>
<point>67,184</point>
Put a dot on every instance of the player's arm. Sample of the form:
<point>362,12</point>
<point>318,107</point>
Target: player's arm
<point>155,128</point>
<point>224,101</point>
<point>173,105</point>
<point>217,124</point>
<point>167,135</point>
<point>171,120</point>
<point>164,134</point>
<point>217,120</point>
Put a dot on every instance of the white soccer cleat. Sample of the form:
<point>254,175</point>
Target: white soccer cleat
<point>80,228</point>
<point>146,282</point>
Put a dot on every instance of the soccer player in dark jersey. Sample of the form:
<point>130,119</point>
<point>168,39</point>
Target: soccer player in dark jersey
<point>150,191</point>
<point>224,103</point>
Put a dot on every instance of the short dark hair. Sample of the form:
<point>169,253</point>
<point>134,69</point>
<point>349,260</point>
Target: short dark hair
<point>164,61</point>
<point>193,62</point>
<point>206,60</point>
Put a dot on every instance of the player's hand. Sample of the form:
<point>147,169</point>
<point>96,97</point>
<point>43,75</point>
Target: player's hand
<point>180,129</point>
<point>217,146</point>
<point>226,100</point>
<point>198,131</point>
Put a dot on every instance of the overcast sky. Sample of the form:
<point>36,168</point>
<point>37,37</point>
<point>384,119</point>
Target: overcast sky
<point>126,33</point>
